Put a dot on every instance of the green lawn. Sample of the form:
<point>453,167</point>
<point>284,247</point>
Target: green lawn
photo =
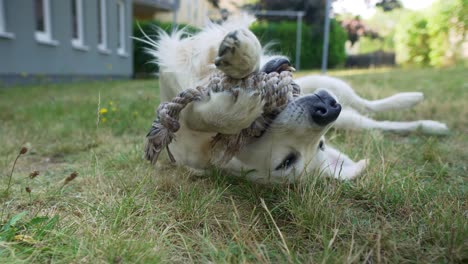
<point>409,206</point>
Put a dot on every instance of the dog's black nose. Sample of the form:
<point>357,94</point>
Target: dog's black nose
<point>324,109</point>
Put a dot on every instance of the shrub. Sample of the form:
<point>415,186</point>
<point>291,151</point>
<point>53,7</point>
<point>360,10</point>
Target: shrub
<point>412,40</point>
<point>284,34</point>
<point>432,37</point>
<point>445,20</point>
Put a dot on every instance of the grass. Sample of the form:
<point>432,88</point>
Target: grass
<point>410,205</point>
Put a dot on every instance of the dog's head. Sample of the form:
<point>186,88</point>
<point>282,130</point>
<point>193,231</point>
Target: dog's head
<point>293,142</point>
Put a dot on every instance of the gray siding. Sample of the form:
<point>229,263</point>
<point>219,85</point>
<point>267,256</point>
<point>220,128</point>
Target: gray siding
<point>24,56</point>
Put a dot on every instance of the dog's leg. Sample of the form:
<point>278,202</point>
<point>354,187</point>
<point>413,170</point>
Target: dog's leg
<point>239,53</point>
<point>224,112</point>
<point>350,119</point>
<point>394,102</point>
<point>231,111</point>
<point>348,98</point>
<point>333,163</point>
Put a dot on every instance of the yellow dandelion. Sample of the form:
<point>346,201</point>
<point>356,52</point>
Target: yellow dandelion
<point>104,119</point>
<point>103,111</point>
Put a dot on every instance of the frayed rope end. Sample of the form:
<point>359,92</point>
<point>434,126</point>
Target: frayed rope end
<point>158,138</point>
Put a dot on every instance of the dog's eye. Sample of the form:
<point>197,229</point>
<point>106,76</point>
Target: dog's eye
<point>288,161</point>
<point>321,145</point>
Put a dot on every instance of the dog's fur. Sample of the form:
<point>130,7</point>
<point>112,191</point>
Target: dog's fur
<point>293,145</point>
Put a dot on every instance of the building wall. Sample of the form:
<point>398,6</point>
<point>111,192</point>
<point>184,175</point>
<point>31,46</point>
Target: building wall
<point>23,55</point>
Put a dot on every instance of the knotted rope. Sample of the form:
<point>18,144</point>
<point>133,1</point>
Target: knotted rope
<point>276,90</point>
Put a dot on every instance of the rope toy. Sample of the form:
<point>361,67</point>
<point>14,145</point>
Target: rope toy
<point>276,90</point>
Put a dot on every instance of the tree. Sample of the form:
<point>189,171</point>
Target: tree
<point>356,28</point>
<point>389,5</point>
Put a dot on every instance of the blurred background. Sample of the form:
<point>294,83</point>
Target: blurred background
<point>64,40</point>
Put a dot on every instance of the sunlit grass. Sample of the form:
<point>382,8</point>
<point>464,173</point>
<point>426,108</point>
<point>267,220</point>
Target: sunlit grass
<point>409,206</point>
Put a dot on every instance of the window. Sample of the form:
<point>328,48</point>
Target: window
<point>77,24</point>
<point>3,29</point>
<point>121,27</point>
<point>102,26</point>
<point>43,22</point>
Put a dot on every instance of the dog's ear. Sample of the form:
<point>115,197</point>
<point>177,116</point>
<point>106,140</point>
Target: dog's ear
<point>335,164</point>
<point>277,64</point>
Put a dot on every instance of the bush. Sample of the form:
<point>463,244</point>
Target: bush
<point>445,19</point>
<point>412,40</point>
<point>284,34</point>
<point>432,37</point>
<point>142,62</point>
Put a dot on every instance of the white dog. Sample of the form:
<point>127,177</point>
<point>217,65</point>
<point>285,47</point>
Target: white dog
<point>293,145</point>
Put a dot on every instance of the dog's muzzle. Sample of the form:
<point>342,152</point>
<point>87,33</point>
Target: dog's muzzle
<point>322,107</point>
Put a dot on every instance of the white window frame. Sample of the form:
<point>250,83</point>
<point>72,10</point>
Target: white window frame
<point>102,43</point>
<point>3,28</point>
<point>78,42</point>
<point>45,37</point>
<point>121,34</point>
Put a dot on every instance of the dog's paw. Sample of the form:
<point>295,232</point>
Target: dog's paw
<point>410,99</point>
<point>433,127</point>
<point>239,54</point>
<point>229,112</point>
<point>353,171</point>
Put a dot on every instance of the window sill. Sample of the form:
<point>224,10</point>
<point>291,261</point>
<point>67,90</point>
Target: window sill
<point>79,46</point>
<point>122,53</point>
<point>49,42</point>
<point>7,35</point>
<point>104,50</point>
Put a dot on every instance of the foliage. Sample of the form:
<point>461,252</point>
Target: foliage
<point>412,39</point>
<point>385,24</point>
<point>367,45</point>
<point>142,62</point>
<point>389,5</point>
<point>444,20</point>
<point>29,232</point>
<point>356,29</point>
<point>432,37</point>
<point>284,33</point>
